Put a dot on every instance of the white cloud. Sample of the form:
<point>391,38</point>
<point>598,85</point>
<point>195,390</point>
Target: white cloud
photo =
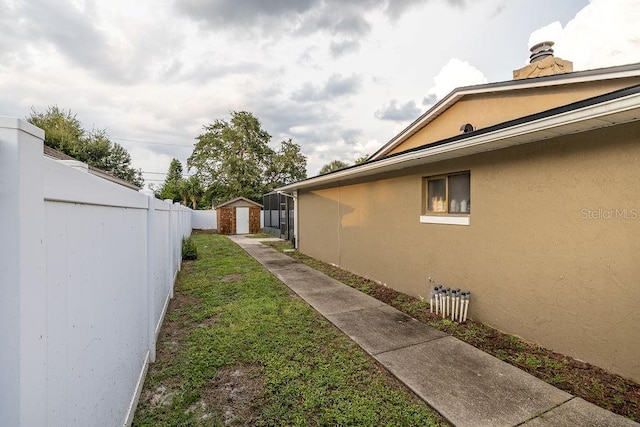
<point>398,112</point>
<point>455,73</point>
<point>147,72</point>
<point>604,33</point>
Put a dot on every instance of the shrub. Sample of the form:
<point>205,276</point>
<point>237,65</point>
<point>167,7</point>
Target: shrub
<point>189,249</point>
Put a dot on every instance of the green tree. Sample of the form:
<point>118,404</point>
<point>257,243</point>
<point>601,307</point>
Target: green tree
<point>333,166</point>
<point>193,191</point>
<point>64,132</point>
<point>287,165</point>
<point>361,160</point>
<point>232,158</point>
<point>171,188</point>
<point>97,150</point>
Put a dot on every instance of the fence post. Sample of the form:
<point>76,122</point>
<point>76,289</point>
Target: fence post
<point>177,250</point>
<point>151,272</point>
<point>170,246</point>
<point>23,301</point>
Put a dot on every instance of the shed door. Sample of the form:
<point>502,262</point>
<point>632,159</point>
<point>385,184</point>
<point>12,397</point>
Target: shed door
<point>242,220</point>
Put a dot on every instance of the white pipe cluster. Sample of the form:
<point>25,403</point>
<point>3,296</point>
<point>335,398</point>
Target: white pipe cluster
<point>450,303</point>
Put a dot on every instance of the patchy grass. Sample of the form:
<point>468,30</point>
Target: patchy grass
<point>589,382</point>
<point>239,348</point>
<point>260,236</point>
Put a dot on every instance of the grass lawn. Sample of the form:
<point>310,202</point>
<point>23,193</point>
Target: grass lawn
<point>239,348</point>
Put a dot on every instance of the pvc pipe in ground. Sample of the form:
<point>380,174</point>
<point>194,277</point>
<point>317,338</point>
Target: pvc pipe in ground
<point>454,313</point>
<point>431,302</point>
<point>444,303</point>
<point>447,306</point>
<point>453,304</point>
<point>466,306</point>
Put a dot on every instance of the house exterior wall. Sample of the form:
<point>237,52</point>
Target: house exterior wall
<point>552,252</point>
<point>484,110</point>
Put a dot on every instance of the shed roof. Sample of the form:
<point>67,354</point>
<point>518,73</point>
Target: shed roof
<point>237,199</point>
<point>621,106</point>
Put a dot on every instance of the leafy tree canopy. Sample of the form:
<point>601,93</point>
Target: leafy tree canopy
<point>361,160</point>
<point>64,132</point>
<point>189,191</point>
<point>171,188</point>
<point>233,158</point>
<point>333,166</point>
<point>192,191</point>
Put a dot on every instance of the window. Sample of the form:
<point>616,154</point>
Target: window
<point>448,199</point>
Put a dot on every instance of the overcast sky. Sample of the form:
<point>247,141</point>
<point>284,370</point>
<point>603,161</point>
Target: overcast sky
<point>338,77</point>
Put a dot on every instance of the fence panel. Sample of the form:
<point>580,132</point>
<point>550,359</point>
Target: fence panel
<point>87,270</point>
<point>205,220</point>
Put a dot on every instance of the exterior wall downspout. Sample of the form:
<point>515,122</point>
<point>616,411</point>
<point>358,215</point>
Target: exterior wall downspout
<point>296,242</point>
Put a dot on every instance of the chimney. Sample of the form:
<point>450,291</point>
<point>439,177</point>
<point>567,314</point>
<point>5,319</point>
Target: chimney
<point>541,51</point>
<point>543,63</point>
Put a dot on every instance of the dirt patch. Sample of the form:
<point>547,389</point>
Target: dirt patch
<point>230,278</point>
<point>174,329</point>
<point>383,293</point>
<point>199,231</point>
<point>182,300</point>
<point>208,322</point>
<point>200,410</point>
<point>161,396</point>
<point>232,391</point>
<point>188,266</point>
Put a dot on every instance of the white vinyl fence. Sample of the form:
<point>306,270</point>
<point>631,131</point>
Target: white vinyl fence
<point>86,272</point>
<point>204,220</point>
<point>208,220</point>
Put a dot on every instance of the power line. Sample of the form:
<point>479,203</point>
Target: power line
<point>150,142</point>
<point>164,173</point>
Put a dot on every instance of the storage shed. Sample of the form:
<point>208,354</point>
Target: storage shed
<point>238,216</point>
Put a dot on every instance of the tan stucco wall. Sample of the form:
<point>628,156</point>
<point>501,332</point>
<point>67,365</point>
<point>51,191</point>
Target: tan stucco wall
<point>537,266</point>
<point>490,109</point>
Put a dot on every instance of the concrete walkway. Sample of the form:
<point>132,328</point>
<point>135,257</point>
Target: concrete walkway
<point>465,385</point>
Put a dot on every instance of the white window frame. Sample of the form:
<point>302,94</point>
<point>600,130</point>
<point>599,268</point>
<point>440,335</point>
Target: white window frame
<point>447,217</point>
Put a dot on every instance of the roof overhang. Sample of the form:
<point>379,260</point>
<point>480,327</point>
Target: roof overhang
<point>237,199</point>
<point>618,72</point>
<point>600,112</point>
